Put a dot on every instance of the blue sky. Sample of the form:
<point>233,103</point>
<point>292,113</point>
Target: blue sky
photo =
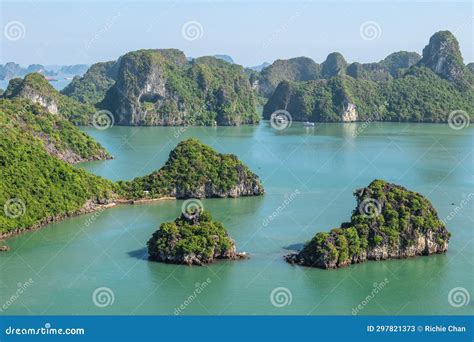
<point>56,32</point>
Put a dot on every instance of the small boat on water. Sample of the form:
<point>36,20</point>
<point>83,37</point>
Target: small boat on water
<point>308,124</point>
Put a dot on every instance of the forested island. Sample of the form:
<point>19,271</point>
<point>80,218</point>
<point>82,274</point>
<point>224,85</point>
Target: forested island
<point>194,238</point>
<point>389,222</point>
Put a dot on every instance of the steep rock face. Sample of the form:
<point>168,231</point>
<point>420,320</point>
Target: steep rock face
<point>389,222</point>
<point>334,65</point>
<point>194,170</point>
<point>443,56</point>
<point>161,87</point>
<point>293,69</point>
<point>192,239</point>
<point>350,113</point>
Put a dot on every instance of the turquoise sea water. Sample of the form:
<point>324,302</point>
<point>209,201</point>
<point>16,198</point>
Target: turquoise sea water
<point>318,168</point>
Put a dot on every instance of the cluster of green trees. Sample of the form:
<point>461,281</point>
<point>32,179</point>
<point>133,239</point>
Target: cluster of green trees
<point>195,240</point>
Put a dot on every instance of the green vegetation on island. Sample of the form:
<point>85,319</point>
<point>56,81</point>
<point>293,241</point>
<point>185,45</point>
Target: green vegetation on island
<point>35,186</point>
<point>194,170</point>
<point>193,239</point>
<point>388,222</point>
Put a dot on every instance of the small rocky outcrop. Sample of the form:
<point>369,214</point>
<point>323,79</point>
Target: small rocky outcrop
<point>195,170</point>
<point>192,239</point>
<point>389,222</point>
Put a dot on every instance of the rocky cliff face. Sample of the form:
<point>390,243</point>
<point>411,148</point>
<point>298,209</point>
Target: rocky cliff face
<point>350,113</point>
<point>389,222</point>
<point>35,88</point>
<point>443,56</point>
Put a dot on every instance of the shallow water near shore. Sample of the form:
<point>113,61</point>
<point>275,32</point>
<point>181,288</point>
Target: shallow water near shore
<point>309,175</point>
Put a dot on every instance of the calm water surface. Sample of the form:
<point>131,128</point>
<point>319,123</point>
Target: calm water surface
<point>317,167</point>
